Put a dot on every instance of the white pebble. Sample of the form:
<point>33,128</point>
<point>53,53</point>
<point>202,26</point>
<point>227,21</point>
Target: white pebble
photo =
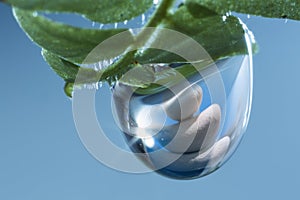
<point>194,134</point>
<point>184,103</point>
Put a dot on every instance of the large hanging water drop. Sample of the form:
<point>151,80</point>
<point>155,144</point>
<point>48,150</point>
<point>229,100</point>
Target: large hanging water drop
<point>188,121</point>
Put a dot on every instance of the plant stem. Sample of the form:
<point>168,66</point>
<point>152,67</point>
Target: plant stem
<point>124,63</point>
<point>160,13</point>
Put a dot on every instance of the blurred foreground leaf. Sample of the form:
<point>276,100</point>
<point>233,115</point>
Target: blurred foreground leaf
<point>103,11</point>
<point>71,43</point>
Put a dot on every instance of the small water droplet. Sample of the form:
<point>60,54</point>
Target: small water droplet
<point>91,86</point>
<point>228,13</point>
<point>96,66</point>
<point>68,89</point>
<point>100,84</point>
<point>155,2</point>
<point>35,14</point>
<point>101,26</point>
<point>248,16</point>
<point>125,22</point>
<point>143,19</point>
<point>112,85</point>
<point>224,17</point>
<point>134,31</point>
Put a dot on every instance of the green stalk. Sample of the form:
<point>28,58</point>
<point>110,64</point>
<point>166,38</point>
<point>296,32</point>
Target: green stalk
<point>125,63</point>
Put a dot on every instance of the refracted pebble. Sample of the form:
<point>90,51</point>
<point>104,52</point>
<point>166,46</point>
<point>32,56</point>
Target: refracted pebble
<point>199,132</point>
<point>185,103</point>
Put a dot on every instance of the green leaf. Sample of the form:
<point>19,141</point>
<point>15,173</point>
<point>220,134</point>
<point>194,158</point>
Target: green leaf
<point>270,8</point>
<point>103,11</point>
<point>219,36</point>
<point>135,76</point>
<point>138,76</point>
<point>68,71</point>
<point>71,43</point>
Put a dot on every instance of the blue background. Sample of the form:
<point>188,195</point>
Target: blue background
<point>41,156</point>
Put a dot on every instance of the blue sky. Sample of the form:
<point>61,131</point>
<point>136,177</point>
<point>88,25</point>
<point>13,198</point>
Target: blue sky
<point>43,158</point>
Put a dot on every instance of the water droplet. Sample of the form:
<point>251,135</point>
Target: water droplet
<point>134,31</point>
<point>155,2</point>
<point>143,19</point>
<point>248,16</point>
<point>192,121</point>
<point>89,86</point>
<point>35,14</point>
<point>101,26</point>
<point>195,122</point>
<point>68,89</point>
<point>125,22</point>
<point>100,84</point>
<point>224,17</point>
